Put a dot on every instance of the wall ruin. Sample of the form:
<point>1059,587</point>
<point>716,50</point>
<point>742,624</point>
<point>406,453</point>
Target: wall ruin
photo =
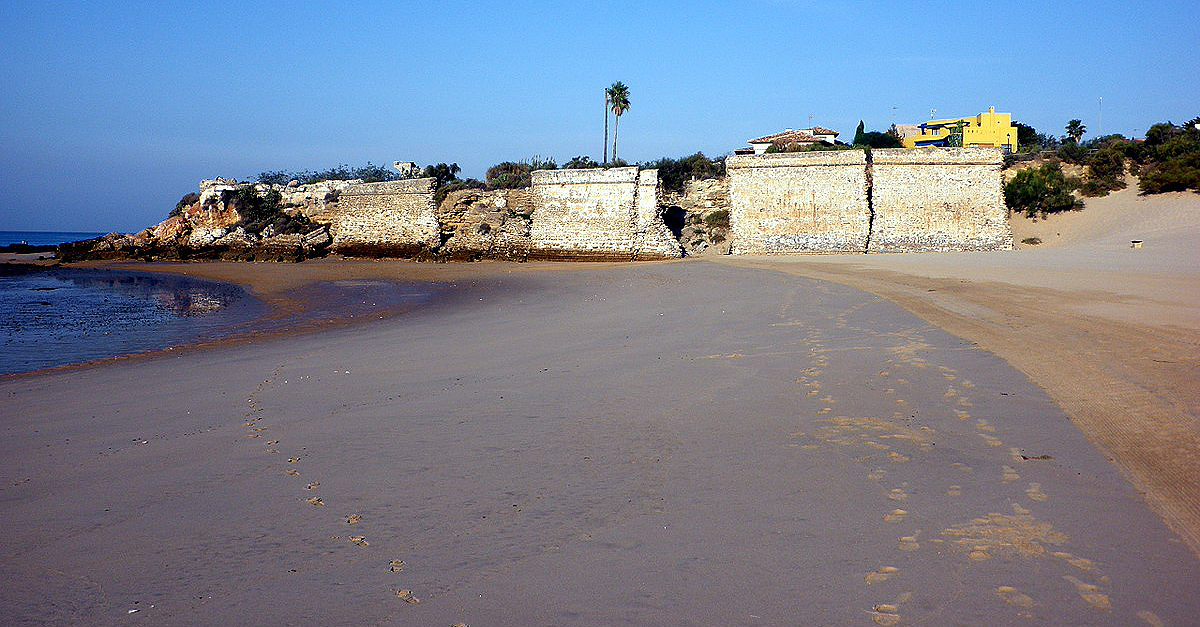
<point>392,218</point>
<point>938,199</point>
<point>890,200</point>
<point>599,215</point>
<point>799,202</point>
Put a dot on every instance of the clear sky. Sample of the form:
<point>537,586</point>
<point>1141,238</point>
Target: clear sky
<point>111,111</point>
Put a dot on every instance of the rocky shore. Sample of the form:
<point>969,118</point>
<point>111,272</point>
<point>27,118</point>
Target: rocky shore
<point>226,220</point>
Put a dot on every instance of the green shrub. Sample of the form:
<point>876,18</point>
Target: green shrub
<point>717,219</point>
<point>1040,191</point>
<point>509,175</point>
<point>188,200</point>
<point>1032,241</point>
<point>443,173</point>
<point>580,163</point>
<point>1072,152</point>
<point>257,211</point>
<point>1171,159</point>
<point>456,185</point>
<point>673,174</point>
<point>369,173</point>
<point>1106,172</point>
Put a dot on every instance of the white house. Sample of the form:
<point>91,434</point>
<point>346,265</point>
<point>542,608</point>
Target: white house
<point>800,136</point>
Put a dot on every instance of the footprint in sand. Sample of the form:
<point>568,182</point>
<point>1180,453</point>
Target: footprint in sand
<point>889,613</point>
<point>313,485</point>
<point>396,566</point>
<point>964,401</point>
<point>1090,593</point>
<point>950,393</point>
<point>895,515</point>
<point>315,500</point>
<point>909,543</point>
<point>880,574</point>
<point>1015,455</point>
<point>885,614</point>
<point>1034,492</point>
<point>1013,596</point>
<point>1082,563</point>
<point>897,494</point>
<point>962,415</point>
<point>407,595</point>
<point>991,440</point>
<point>897,457</point>
<point>293,472</point>
<point>978,553</point>
<point>360,540</point>
<point>877,474</point>
<point>1009,475</point>
<point>1151,618</point>
<point>954,490</point>
<point>353,518</point>
<point>984,425</point>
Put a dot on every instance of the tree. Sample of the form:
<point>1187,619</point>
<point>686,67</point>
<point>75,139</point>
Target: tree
<point>1075,130</point>
<point>580,162</point>
<point>619,101</point>
<point>1041,190</point>
<point>1027,136</point>
<point>607,99</point>
<point>442,172</point>
<point>858,134</point>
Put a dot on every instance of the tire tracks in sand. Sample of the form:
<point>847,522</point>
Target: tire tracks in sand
<point>1131,388</point>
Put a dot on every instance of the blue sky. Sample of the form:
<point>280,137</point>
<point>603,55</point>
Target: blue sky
<point>112,111</point>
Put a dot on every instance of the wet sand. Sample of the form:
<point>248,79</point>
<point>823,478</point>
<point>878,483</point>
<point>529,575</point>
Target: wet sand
<point>659,443</point>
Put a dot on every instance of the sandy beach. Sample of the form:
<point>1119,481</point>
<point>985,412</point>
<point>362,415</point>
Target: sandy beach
<point>988,438</point>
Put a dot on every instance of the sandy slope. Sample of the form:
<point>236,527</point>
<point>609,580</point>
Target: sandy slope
<point>1111,332</point>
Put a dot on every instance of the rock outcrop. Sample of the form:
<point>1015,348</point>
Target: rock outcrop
<point>700,216</point>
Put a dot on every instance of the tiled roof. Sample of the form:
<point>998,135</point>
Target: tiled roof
<point>784,137</point>
<point>820,130</point>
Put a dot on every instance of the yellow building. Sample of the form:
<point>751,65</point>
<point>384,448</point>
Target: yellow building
<point>985,129</point>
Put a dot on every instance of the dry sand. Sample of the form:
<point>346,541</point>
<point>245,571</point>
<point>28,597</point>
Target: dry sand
<point>668,443</point>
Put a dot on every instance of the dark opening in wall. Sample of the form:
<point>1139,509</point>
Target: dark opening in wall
<point>673,217</point>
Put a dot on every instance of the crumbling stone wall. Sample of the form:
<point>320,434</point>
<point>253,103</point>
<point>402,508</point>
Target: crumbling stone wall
<point>799,202</point>
<point>938,199</point>
<point>700,214</point>
<point>479,224</point>
<point>888,200</point>
<point>392,218</point>
<point>599,214</point>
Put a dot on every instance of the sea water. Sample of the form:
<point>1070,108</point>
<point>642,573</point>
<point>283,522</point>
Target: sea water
<point>44,238</point>
<point>53,316</point>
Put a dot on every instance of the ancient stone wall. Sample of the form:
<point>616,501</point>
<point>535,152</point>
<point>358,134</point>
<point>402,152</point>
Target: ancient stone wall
<point>799,202</point>
<point>479,224</point>
<point>392,218</point>
<point>892,200</point>
<point>938,199</point>
<point>596,215</point>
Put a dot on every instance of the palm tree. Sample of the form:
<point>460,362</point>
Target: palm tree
<point>1075,130</point>
<point>618,99</point>
<point>607,99</point>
